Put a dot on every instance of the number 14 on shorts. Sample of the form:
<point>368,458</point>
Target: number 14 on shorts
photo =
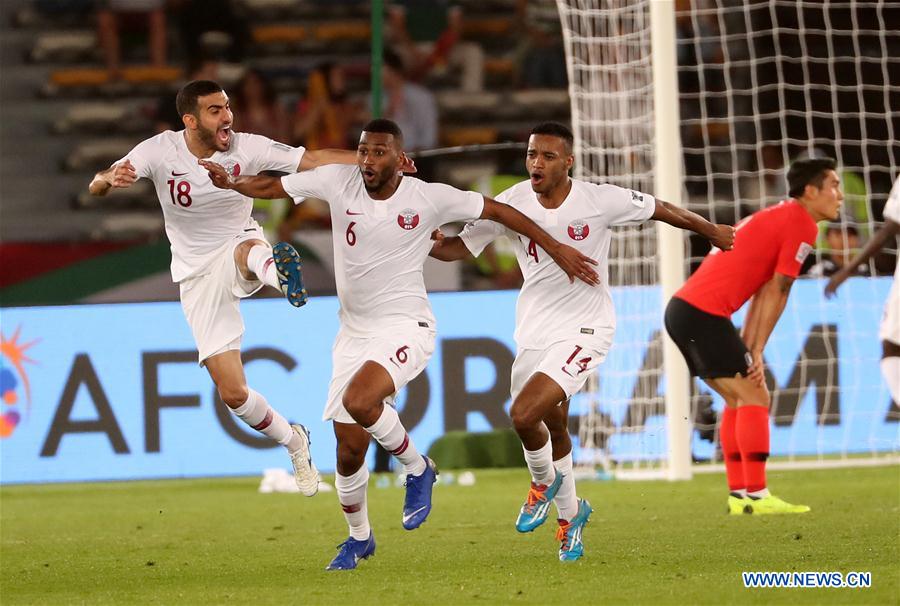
<point>576,364</point>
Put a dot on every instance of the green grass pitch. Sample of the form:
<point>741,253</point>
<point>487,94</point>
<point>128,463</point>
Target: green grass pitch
<point>220,542</point>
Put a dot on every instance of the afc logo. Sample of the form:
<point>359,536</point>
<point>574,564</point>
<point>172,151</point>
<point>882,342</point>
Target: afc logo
<point>408,219</point>
<point>579,230</point>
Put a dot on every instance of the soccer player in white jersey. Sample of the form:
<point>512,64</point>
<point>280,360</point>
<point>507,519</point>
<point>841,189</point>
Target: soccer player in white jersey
<point>889,332</point>
<point>219,253</point>
<point>563,330</point>
<point>382,226</point>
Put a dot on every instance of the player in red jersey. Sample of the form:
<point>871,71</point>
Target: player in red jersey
<point>769,248</point>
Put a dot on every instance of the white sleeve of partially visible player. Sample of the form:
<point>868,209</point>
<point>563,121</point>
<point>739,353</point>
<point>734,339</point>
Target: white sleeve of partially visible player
<point>623,206</point>
<point>142,157</point>
<point>267,154</point>
<point>478,234</point>
<point>322,182</point>
<point>892,208</point>
<point>453,204</point>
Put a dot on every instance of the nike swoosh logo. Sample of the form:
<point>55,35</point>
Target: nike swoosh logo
<point>409,517</point>
<point>350,212</point>
<point>174,174</point>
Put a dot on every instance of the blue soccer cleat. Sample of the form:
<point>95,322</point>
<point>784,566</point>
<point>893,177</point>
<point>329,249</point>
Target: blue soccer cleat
<point>537,504</point>
<point>352,551</point>
<point>569,533</point>
<point>417,504</point>
<point>287,265</point>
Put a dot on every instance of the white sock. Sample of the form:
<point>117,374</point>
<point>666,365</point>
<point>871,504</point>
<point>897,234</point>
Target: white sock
<point>257,413</point>
<point>390,433</point>
<point>352,492</point>
<point>566,500</point>
<point>740,493</point>
<point>540,463</point>
<point>890,368</point>
<point>261,262</point>
<point>759,494</point>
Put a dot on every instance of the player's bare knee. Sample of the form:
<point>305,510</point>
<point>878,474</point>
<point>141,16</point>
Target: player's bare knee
<point>357,404</point>
<point>524,415</point>
<point>233,394</point>
<point>350,457</point>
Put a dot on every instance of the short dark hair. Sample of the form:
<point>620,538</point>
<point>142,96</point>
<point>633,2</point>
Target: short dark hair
<point>383,125</point>
<point>809,171</point>
<point>186,100</point>
<point>555,129</point>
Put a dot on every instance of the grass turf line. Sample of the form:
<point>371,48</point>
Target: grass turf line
<point>219,541</point>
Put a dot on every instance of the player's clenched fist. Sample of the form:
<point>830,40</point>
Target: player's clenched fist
<point>723,237</point>
<point>217,174</point>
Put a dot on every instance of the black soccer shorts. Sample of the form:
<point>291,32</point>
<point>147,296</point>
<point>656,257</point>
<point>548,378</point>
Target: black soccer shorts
<point>710,344</point>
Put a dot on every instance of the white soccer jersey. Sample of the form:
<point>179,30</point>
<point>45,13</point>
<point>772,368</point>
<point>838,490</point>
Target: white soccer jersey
<point>892,212</point>
<point>200,218</point>
<point>549,308</point>
<point>380,246</point>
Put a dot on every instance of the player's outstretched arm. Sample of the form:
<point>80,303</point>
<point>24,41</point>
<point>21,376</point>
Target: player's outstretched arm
<point>267,188</point>
<point>720,236</point>
<point>575,264</point>
<point>119,175</point>
<point>448,249</point>
<point>315,158</point>
<point>765,309</point>
<point>889,230</point>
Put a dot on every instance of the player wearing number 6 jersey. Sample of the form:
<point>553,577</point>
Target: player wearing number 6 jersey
<point>382,224</point>
<point>770,247</point>
<point>219,253</point>
<point>563,330</point>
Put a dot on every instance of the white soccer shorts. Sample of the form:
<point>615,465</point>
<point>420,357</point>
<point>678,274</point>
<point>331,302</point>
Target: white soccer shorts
<point>211,300</point>
<point>568,363</point>
<point>404,353</point>
<point>890,321</point>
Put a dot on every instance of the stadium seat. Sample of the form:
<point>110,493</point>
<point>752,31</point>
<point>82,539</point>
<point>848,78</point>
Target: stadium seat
<point>64,46</point>
<point>338,31</point>
<point>268,34</point>
<point>468,135</point>
<point>106,118</point>
<point>487,27</point>
<point>98,154</point>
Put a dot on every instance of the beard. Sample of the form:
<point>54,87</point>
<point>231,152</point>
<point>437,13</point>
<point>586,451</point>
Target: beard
<point>209,139</point>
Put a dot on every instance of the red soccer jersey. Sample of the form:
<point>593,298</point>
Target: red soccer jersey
<point>774,240</point>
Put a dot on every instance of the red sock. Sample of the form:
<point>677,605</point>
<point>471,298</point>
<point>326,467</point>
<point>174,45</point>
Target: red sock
<point>734,468</point>
<point>752,433</point>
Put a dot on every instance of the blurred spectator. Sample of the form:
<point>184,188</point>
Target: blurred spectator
<point>113,14</point>
<point>256,108</point>
<point>411,106</point>
<point>768,184</point>
<point>427,34</point>
<point>324,117</point>
<point>842,244</point>
<point>541,54</point>
<point>205,24</point>
<point>166,114</point>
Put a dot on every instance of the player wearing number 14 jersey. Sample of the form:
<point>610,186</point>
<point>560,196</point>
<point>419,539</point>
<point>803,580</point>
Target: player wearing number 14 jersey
<point>563,330</point>
<point>382,224</point>
<point>219,253</point>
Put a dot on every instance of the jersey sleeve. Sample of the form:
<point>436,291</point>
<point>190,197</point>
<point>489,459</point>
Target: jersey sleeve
<point>267,154</point>
<point>454,204</point>
<point>322,182</point>
<point>892,208</point>
<point>142,158</point>
<point>796,245</point>
<point>478,234</point>
<point>623,206</point>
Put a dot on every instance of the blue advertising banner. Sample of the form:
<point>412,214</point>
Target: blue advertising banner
<point>110,392</point>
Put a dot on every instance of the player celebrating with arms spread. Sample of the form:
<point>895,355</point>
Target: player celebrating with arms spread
<point>563,330</point>
<point>769,250</point>
<point>219,253</point>
<point>382,224</point>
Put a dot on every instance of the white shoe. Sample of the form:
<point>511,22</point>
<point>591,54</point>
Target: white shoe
<point>305,473</point>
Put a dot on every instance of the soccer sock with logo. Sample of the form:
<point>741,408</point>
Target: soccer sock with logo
<point>540,462</point>
<point>352,492</point>
<point>734,467</point>
<point>890,369</point>
<point>752,433</point>
<point>257,413</point>
<point>261,262</point>
<point>566,500</point>
<point>390,433</point>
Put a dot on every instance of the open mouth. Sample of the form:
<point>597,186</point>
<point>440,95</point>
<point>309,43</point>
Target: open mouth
<point>223,135</point>
<point>537,179</point>
<point>369,173</point>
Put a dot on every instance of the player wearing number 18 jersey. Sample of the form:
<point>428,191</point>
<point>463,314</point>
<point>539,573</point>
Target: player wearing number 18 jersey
<point>563,330</point>
<point>219,253</point>
<point>382,225</point>
<point>770,247</point>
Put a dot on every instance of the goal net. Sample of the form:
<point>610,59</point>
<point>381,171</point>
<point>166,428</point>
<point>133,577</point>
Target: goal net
<point>757,84</point>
